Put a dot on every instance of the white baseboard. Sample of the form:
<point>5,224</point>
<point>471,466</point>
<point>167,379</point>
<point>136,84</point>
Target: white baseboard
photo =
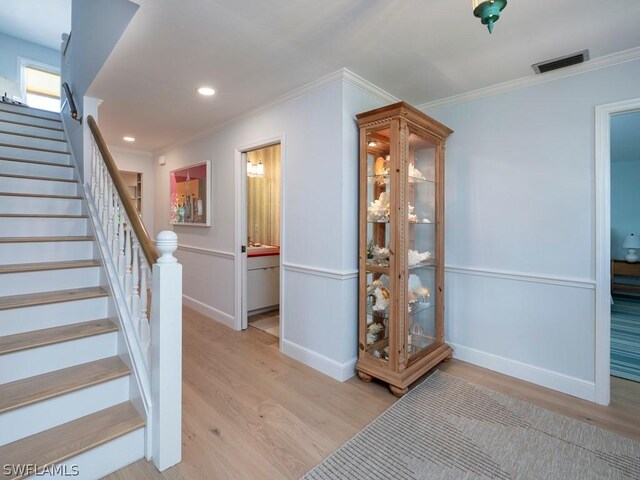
<point>209,311</point>
<point>546,378</point>
<point>326,365</point>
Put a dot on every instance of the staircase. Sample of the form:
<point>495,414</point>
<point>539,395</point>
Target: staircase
<point>65,383</point>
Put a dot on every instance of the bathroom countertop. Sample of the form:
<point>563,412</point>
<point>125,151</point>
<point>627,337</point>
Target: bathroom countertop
<point>263,251</point>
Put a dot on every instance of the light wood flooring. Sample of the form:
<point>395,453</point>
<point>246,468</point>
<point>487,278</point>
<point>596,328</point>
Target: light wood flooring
<point>250,412</point>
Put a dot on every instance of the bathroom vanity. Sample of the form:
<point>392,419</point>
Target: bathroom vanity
<point>263,278</point>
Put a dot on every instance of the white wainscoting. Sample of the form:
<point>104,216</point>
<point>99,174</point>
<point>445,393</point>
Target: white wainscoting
<point>339,371</point>
<point>514,323</point>
<point>209,311</point>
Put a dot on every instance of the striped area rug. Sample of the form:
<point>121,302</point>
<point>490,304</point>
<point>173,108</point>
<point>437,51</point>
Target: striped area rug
<point>625,337</point>
<point>450,429</point>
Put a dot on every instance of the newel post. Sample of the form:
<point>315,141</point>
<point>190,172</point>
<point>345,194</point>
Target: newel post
<point>166,354</point>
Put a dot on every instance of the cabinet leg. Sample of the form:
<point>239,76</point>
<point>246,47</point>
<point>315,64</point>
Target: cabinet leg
<point>398,392</point>
<point>366,378</point>
<point>449,357</point>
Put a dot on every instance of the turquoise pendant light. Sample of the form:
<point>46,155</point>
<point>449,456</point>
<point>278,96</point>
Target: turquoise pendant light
<point>488,11</point>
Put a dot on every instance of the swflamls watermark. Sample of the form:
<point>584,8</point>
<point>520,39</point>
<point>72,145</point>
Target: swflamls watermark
<point>27,469</point>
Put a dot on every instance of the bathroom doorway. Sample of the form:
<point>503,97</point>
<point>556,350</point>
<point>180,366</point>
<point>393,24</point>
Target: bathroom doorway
<point>261,236</point>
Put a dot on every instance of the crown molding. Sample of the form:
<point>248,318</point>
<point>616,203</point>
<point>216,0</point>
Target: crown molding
<point>368,87</point>
<point>343,74</point>
<point>536,79</point>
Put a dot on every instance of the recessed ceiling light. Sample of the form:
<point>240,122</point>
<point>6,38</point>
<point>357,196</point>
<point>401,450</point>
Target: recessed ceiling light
<point>129,139</point>
<point>206,91</point>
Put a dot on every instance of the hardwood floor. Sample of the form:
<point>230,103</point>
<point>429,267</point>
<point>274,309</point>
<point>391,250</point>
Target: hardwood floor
<point>250,412</point>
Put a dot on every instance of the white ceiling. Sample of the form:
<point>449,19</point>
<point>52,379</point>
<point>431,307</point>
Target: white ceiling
<point>37,21</point>
<point>625,137</point>
<point>252,51</point>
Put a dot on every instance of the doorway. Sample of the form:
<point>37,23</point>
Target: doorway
<point>607,250</point>
<point>260,232</point>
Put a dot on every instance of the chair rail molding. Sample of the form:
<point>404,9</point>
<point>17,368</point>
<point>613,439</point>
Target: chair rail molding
<point>523,277</point>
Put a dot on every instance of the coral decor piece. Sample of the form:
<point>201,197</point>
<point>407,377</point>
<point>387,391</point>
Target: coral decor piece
<point>415,258</point>
<point>379,209</point>
<point>381,166</point>
<point>415,174</point>
<point>378,291</point>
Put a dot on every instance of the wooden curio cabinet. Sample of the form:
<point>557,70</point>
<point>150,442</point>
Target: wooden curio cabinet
<point>401,290</point>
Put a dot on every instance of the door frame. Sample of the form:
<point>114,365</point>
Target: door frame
<point>603,114</point>
<point>240,317</point>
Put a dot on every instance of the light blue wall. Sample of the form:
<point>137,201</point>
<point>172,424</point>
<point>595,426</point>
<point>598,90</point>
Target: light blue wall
<point>625,204</point>
<point>11,48</point>
<point>520,226</point>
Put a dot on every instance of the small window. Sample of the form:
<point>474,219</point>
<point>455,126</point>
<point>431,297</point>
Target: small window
<point>42,88</point>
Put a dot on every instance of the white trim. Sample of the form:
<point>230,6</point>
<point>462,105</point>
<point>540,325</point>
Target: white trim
<point>547,378</point>
<point>209,311</point>
<point>524,277</point>
<point>368,87</point>
<point>320,272</point>
<point>206,251</point>
<point>339,371</point>
<point>602,180</point>
<point>536,79</point>
<point>45,67</point>
<point>340,75</point>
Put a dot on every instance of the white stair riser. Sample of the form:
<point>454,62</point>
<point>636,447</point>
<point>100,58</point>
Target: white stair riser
<point>35,361</point>
<point>33,282</point>
<point>35,418</point>
<point>30,185</point>
<point>36,170</point>
<point>58,133</point>
<point>103,460</point>
<point>41,122</point>
<point>60,206</point>
<point>7,107</point>
<point>33,252</point>
<point>31,142</point>
<point>54,315</point>
<point>28,154</point>
<point>40,227</point>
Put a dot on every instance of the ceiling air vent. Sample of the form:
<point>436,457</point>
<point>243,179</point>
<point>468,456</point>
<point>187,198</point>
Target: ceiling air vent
<point>561,62</point>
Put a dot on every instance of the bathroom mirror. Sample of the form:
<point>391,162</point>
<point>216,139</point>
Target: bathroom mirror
<point>190,193</point>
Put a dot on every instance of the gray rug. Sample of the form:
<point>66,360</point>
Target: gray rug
<point>447,428</point>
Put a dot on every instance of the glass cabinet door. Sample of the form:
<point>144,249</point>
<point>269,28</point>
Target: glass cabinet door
<point>421,246</point>
<point>378,236</point>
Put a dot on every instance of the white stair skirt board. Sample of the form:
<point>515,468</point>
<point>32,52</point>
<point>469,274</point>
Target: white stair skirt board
<point>34,361</point>
<point>11,184</point>
<point>45,205</point>
<point>40,227</point>
<point>6,116</point>
<point>28,111</point>
<point>32,252</point>
<point>41,281</point>
<point>555,380</point>
<point>18,139</point>
<point>40,416</point>
<point>53,315</point>
<point>339,371</point>
<point>56,134</point>
<point>33,154</point>
<point>36,169</point>
<point>105,459</point>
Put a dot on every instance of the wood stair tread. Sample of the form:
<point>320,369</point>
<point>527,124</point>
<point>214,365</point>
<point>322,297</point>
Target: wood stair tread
<point>37,149</point>
<point>30,112</point>
<point>35,162</point>
<point>44,298</point>
<point>50,336</point>
<point>40,195</point>
<point>46,239</point>
<point>49,385</point>
<point>38,267</point>
<point>35,177</point>
<point>70,439</point>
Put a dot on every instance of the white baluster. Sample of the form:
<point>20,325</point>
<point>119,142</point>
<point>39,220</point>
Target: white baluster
<point>143,290</point>
<point>127,263</point>
<point>115,220</point>
<point>135,279</point>
<point>121,240</point>
<point>100,190</point>
<point>94,166</point>
<point>104,215</point>
<point>110,213</point>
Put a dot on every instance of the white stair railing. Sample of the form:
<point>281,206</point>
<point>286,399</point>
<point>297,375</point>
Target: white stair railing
<point>157,342</point>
